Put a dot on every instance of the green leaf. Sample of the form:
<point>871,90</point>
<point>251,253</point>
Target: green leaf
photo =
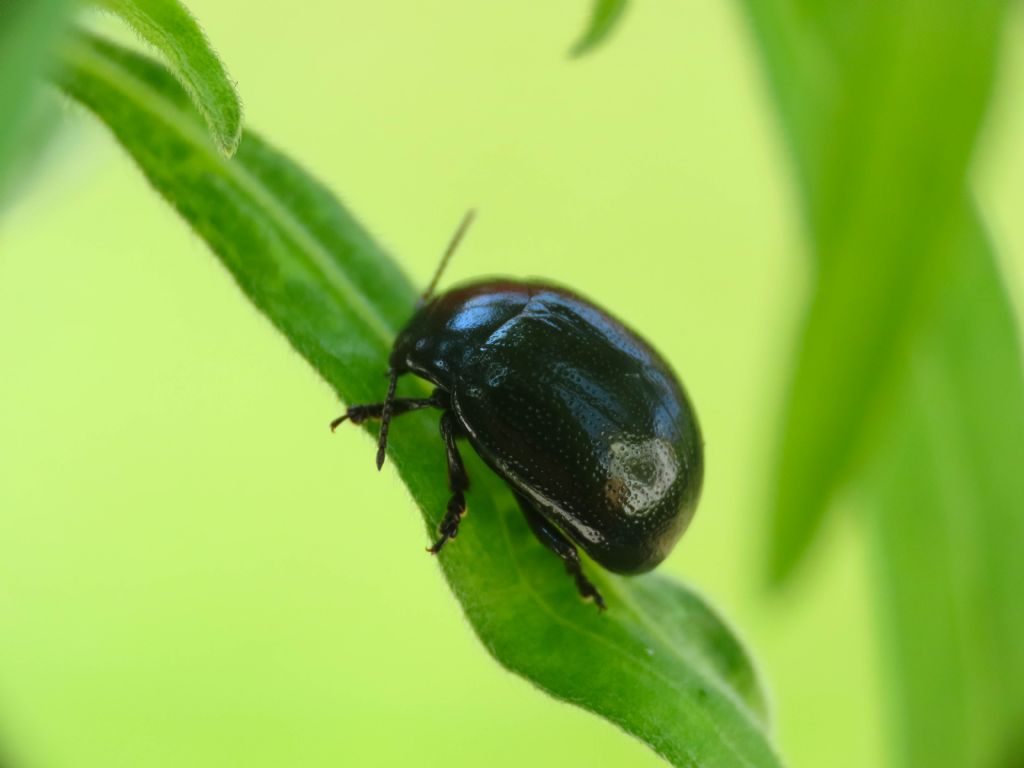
<point>28,31</point>
<point>659,662</point>
<point>604,16</point>
<point>174,33</point>
<point>949,527</point>
<point>902,117</point>
<point>909,386</point>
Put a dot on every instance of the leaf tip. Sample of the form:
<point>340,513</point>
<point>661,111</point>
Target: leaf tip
<point>604,17</point>
<point>229,141</point>
<point>228,135</point>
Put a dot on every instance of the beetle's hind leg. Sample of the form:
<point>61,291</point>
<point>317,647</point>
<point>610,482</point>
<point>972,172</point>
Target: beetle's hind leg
<point>555,540</point>
<point>458,482</point>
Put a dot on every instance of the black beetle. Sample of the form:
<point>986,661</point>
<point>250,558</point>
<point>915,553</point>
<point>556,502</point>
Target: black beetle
<point>580,416</point>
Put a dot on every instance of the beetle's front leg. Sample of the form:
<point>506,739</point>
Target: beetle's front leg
<point>555,540</point>
<point>458,482</point>
<point>357,414</point>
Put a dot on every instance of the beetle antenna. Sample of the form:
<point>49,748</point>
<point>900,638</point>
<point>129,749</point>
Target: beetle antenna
<point>385,417</point>
<point>456,239</point>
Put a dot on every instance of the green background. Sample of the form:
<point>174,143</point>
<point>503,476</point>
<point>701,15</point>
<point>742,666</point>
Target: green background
<point>193,571</point>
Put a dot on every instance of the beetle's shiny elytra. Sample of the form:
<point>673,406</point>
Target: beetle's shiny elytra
<point>580,416</point>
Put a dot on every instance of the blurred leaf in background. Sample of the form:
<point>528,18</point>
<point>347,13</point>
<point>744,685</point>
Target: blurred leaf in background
<point>605,15</point>
<point>29,30</point>
<point>908,363</point>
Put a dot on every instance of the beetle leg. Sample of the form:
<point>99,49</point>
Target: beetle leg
<point>385,417</point>
<point>555,540</point>
<point>458,482</point>
<point>357,414</point>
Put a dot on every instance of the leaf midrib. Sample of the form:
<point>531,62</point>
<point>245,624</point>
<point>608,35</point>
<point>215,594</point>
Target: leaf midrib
<point>313,252</point>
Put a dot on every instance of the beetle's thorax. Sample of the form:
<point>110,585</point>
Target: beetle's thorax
<point>445,331</point>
